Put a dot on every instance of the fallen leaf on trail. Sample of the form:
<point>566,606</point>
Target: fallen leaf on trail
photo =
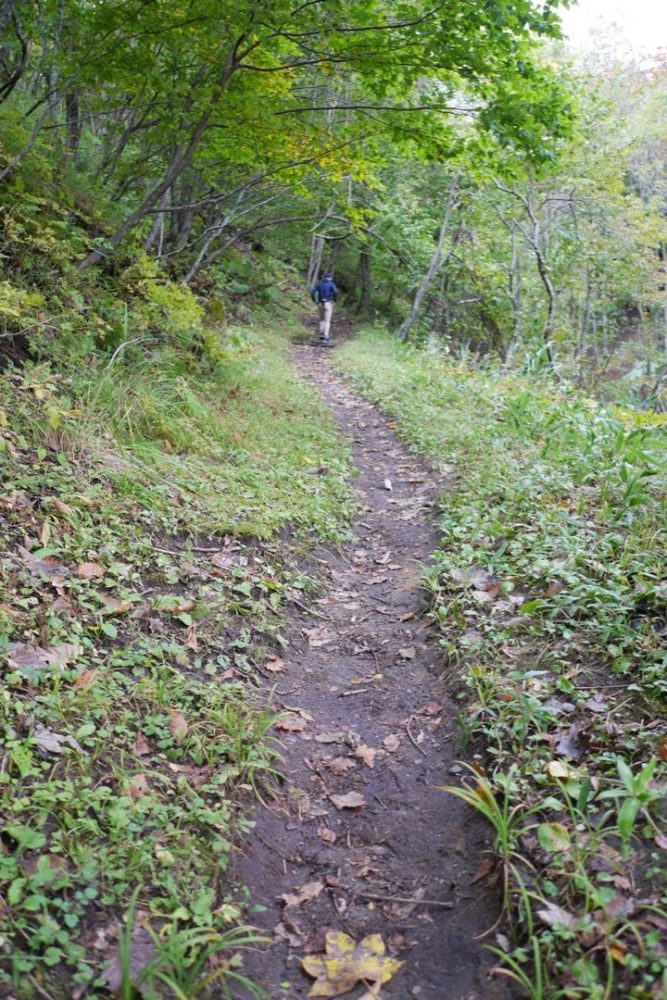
<point>178,726</point>
<point>275,665</point>
<point>351,800</point>
<point>486,867</point>
<point>290,724</point>
<point>137,786</point>
<point>341,765</point>
<point>56,504</point>
<point>472,576</point>
<point>299,711</point>
<point>567,746</point>
<point>52,742</point>
<point>6,610</point>
<point>391,742</point>
<point>320,636</point>
<point>114,605</point>
<point>432,708</point>
<point>483,596</point>
<point>23,656</point>
<point>367,754</point>
<point>141,953</point>
<point>596,705</point>
<point>346,963</point>
<point>141,745</point>
<point>327,835</point>
<point>90,570</point>
<point>660,841</point>
<point>407,653</point>
<point>552,914</point>
<point>178,607</point>
<point>303,894</point>
<point>224,560</point>
<point>191,638</point>
<point>553,837</point>
<point>47,567</point>
<point>295,939</point>
<point>85,680</point>
<point>334,737</point>
<point>558,770</point>
<point>553,589</point>
<point>662,750</point>
<point>517,621</point>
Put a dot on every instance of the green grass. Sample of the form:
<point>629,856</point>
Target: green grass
<point>547,587</point>
<point>133,737</point>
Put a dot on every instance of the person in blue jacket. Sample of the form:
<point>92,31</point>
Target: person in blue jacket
<point>324,293</point>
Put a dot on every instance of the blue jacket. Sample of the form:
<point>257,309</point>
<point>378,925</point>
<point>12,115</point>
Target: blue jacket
<point>324,291</point>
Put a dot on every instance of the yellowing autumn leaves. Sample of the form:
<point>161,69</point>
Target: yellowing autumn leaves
<point>346,963</point>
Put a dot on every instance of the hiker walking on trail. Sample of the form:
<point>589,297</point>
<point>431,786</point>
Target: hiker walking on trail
<point>324,293</point>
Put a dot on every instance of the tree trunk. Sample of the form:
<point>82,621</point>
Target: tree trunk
<point>14,73</point>
<point>72,122</point>
<point>514,282</point>
<point>180,162</point>
<point>436,261</point>
<point>364,279</point>
<point>6,13</point>
<point>315,261</point>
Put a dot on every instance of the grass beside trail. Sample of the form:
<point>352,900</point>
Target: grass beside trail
<point>549,590</point>
<point>130,646</point>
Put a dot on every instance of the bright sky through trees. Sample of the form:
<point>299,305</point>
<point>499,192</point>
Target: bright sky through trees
<point>641,23</point>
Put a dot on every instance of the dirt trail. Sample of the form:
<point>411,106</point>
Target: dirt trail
<point>364,670</point>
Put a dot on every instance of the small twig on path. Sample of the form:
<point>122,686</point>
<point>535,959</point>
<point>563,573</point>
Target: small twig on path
<point>347,694</point>
<point>188,548</point>
<point>310,611</point>
<point>442,903</point>
<point>589,687</point>
<point>204,548</point>
<point>42,992</point>
<point>412,739</point>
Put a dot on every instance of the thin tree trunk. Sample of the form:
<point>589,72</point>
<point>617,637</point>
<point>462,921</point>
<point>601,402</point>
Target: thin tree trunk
<point>7,14</point>
<point>315,262</point>
<point>72,121</point>
<point>535,241</point>
<point>365,279</point>
<point>157,227</point>
<point>436,261</point>
<point>180,162</point>
<point>514,281</point>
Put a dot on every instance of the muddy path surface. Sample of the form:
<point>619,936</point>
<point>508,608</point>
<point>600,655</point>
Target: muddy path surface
<point>362,841</point>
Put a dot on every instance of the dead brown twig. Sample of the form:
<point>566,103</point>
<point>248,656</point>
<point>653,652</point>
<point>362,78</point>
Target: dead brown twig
<point>412,739</point>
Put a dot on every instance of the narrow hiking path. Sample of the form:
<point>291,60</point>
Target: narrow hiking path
<point>363,834</point>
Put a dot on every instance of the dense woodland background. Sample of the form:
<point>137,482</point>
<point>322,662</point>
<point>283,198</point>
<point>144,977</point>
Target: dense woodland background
<point>466,185</point>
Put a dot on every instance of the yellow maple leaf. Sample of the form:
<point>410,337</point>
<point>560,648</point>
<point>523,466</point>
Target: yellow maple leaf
<point>346,963</point>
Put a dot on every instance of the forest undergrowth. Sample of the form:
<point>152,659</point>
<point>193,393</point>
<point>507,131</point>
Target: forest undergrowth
<point>549,592</point>
<point>139,611</point>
